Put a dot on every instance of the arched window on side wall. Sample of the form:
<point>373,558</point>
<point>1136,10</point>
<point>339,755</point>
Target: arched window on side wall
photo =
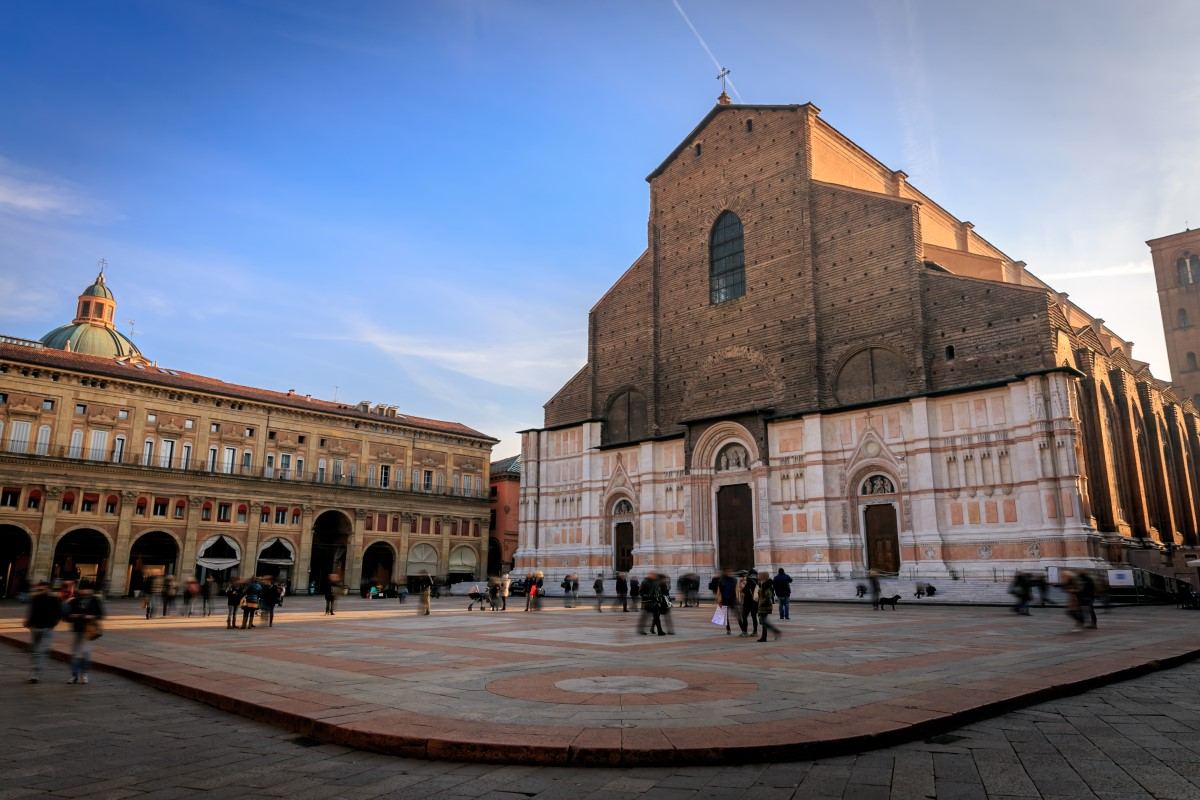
<point>1194,263</point>
<point>1181,319</point>
<point>726,260</point>
<point>1181,268</point>
<point>1191,361</point>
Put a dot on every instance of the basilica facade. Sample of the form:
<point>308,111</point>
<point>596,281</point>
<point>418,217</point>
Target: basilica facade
<point>815,366</point>
<point>118,469</point>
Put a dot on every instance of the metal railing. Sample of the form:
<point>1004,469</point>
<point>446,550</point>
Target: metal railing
<point>110,458</point>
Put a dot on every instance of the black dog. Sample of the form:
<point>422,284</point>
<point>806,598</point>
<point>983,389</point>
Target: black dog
<point>891,601</point>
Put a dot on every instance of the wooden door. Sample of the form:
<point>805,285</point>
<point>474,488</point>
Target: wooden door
<point>883,541</point>
<point>735,527</point>
<point>623,561</point>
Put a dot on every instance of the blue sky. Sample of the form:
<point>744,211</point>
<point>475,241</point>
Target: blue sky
<point>417,203</point>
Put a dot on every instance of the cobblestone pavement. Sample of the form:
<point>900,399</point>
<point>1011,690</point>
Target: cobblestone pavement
<point>588,689</point>
<point>118,739</point>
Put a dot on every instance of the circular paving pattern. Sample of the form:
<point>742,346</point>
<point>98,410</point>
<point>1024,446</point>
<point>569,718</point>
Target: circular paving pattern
<point>621,684</point>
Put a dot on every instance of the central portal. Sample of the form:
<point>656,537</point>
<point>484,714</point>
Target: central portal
<point>883,543</point>
<point>624,546</point>
<point>735,527</point>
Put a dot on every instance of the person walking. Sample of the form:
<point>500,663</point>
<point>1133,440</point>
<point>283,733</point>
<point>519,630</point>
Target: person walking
<point>169,593</point>
<point>664,604</point>
<point>1022,590</point>
<point>233,598</point>
<point>331,587</point>
<point>635,588</point>
<point>651,597</point>
<point>764,595</point>
<point>574,590</point>
<point>873,583</point>
<point>1087,599</point>
<point>505,588</point>
<point>424,585</point>
<point>539,582</point>
<point>566,587</point>
<point>250,601</point>
<point>268,601</point>
<point>727,598</point>
<point>749,617</point>
<point>598,588</point>
<point>45,612</point>
<point>84,612</point>
<point>782,583</point>
<point>206,595</point>
<point>191,590</point>
<point>530,590</point>
<point>622,592</point>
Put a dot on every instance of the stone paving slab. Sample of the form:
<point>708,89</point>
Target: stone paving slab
<point>570,686</point>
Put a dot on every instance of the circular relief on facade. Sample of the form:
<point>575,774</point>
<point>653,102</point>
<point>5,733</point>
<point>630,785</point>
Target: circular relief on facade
<point>871,448</point>
<point>621,684</point>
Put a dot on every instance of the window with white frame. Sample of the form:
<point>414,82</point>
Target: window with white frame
<point>76,448</point>
<point>148,453</point>
<point>118,453</point>
<point>43,441</point>
<point>98,446</point>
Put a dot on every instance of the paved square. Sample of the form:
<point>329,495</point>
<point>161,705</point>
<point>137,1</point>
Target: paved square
<point>575,686</point>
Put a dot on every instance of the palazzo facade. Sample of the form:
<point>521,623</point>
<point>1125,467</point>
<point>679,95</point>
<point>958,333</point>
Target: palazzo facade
<point>115,468</point>
<point>815,366</point>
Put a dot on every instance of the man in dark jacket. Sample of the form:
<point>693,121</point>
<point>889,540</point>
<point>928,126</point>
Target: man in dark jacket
<point>45,612</point>
<point>233,597</point>
<point>268,601</point>
<point>783,593</point>
<point>622,591</point>
<point>727,597</point>
<point>84,612</point>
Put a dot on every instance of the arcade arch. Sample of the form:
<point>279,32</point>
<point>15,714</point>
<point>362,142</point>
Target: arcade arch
<point>82,554</point>
<point>332,531</point>
<point>16,550</point>
<point>153,554</point>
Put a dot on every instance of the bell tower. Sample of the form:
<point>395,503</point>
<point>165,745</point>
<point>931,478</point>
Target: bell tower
<point>1177,273</point>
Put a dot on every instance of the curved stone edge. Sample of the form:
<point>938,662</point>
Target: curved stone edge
<point>645,747</point>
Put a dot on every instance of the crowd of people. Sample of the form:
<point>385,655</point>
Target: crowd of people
<point>80,607</point>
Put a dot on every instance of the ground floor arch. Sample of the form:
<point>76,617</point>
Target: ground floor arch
<point>153,555</point>
<point>464,564</point>
<point>16,551</point>
<point>378,565</point>
<point>219,556</point>
<point>422,560</point>
<point>82,554</point>
<point>276,560</point>
<point>332,531</point>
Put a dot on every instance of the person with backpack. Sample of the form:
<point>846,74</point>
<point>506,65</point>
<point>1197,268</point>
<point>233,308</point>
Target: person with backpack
<point>764,595</point>
<point>598,588</point>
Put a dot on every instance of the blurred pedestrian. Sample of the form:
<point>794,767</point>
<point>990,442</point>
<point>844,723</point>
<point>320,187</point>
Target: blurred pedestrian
<point>207,590</point>
<point>664,605</point>
<point>727,598</point>
<point>1022,591</point>
<point>635,588</point>
<point>530,590</point>
<point>598,588</point>
<point>749,605</point>
<point>84,612</point>
<point>233,598</point>
<point>622,592</point>
<point>169,592</point>
<point>250,600</point>
<point>191,590</point>
<point>651,596</point>
<point>331,587</point>
<point>764,595</point>
<point>45,612</point>
<point>1087,599</point>
<point>424,585</point>
<point>505,588</point>
<point>539,582</point>
<point>268,601</point>
<point>873,584</point>
<point>782,583</point>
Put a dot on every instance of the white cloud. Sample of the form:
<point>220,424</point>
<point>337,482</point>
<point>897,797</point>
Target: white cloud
<point>24,191</point>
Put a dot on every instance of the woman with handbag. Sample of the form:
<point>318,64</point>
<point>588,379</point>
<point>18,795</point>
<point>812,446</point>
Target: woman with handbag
<point>84,612</point>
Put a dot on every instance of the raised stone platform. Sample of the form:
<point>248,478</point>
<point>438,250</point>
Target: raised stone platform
<point>576,687</point>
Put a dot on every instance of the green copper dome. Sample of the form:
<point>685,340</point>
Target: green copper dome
<point>92,340</point>
<point>97,289</point>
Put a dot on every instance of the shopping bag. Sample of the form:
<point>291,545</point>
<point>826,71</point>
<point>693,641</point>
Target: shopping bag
<point>719,616</point>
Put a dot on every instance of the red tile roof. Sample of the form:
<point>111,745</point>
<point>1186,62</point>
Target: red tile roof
<point>163,376</point>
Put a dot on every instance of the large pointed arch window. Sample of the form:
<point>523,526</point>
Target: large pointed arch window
<point>726,260</point>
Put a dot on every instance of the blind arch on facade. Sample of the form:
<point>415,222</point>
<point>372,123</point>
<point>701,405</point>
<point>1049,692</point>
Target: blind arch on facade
<point>422,558</point>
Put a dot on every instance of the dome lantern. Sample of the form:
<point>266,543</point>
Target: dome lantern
<point>93,331</point>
